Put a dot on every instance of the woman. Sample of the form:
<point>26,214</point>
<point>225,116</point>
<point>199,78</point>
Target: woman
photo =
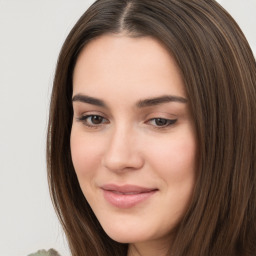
<point>151,140</point>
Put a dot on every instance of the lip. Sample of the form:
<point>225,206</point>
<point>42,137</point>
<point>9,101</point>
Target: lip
<point>126,196</point>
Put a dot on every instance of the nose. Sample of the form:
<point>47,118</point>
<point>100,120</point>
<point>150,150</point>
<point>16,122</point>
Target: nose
<point>122,152</point>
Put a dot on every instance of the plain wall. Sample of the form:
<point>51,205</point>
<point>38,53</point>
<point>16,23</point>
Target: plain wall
<point>31,34</point>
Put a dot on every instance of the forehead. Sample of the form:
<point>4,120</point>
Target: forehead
<point>122,64</point>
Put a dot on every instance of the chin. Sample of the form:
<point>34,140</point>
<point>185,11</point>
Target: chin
<point>126,238</point>
<point>126,234</point>
<point>129,234</point>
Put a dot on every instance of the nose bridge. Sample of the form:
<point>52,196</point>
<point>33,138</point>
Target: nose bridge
<point>122,149</point>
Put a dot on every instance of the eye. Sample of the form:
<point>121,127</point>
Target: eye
<point>161,122</point>
<point>93,120</point>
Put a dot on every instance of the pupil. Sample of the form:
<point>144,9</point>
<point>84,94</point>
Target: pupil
<point>96,119</point>
<point>161,122</point>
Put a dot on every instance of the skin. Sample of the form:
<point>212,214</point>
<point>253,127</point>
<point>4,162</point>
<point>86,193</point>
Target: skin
<point>126,144</point>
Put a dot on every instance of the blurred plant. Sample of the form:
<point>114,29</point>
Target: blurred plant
<point>51,252</point>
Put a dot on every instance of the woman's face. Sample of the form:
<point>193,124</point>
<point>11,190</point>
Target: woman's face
<point>133,141</point>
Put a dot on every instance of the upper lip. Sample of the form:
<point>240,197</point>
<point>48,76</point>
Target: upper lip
<point>128,188</point>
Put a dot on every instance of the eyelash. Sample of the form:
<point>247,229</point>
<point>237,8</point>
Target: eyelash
<point>84,120</point>
<point>167,122</point>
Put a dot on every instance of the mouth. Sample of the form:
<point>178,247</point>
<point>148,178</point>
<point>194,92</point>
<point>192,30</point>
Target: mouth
<point>126,196</point>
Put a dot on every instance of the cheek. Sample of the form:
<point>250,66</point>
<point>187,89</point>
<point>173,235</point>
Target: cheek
<point>175,163</point>
<point>85,155</point>
<point>174,160</point>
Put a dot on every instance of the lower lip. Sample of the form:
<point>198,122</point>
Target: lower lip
<point>126,200</point>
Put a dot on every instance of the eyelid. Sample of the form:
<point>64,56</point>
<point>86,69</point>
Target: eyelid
<point>169,122</point>
<point>84,119</point>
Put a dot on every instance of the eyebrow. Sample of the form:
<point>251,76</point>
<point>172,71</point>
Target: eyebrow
<point>160,100</point>
<point>89,100</point>
<point>140,104</point>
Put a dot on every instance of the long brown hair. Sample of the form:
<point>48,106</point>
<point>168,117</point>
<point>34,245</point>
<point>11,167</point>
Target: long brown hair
<point>219,74</point>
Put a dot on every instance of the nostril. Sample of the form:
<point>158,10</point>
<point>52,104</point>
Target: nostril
<point>120,163</point>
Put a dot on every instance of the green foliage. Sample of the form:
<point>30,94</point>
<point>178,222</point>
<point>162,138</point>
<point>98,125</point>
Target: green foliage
<point>51,252</point>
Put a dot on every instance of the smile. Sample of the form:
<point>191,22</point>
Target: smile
<point>126,196</point>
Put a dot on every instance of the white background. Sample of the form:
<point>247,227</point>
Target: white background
<point>31,34</point>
